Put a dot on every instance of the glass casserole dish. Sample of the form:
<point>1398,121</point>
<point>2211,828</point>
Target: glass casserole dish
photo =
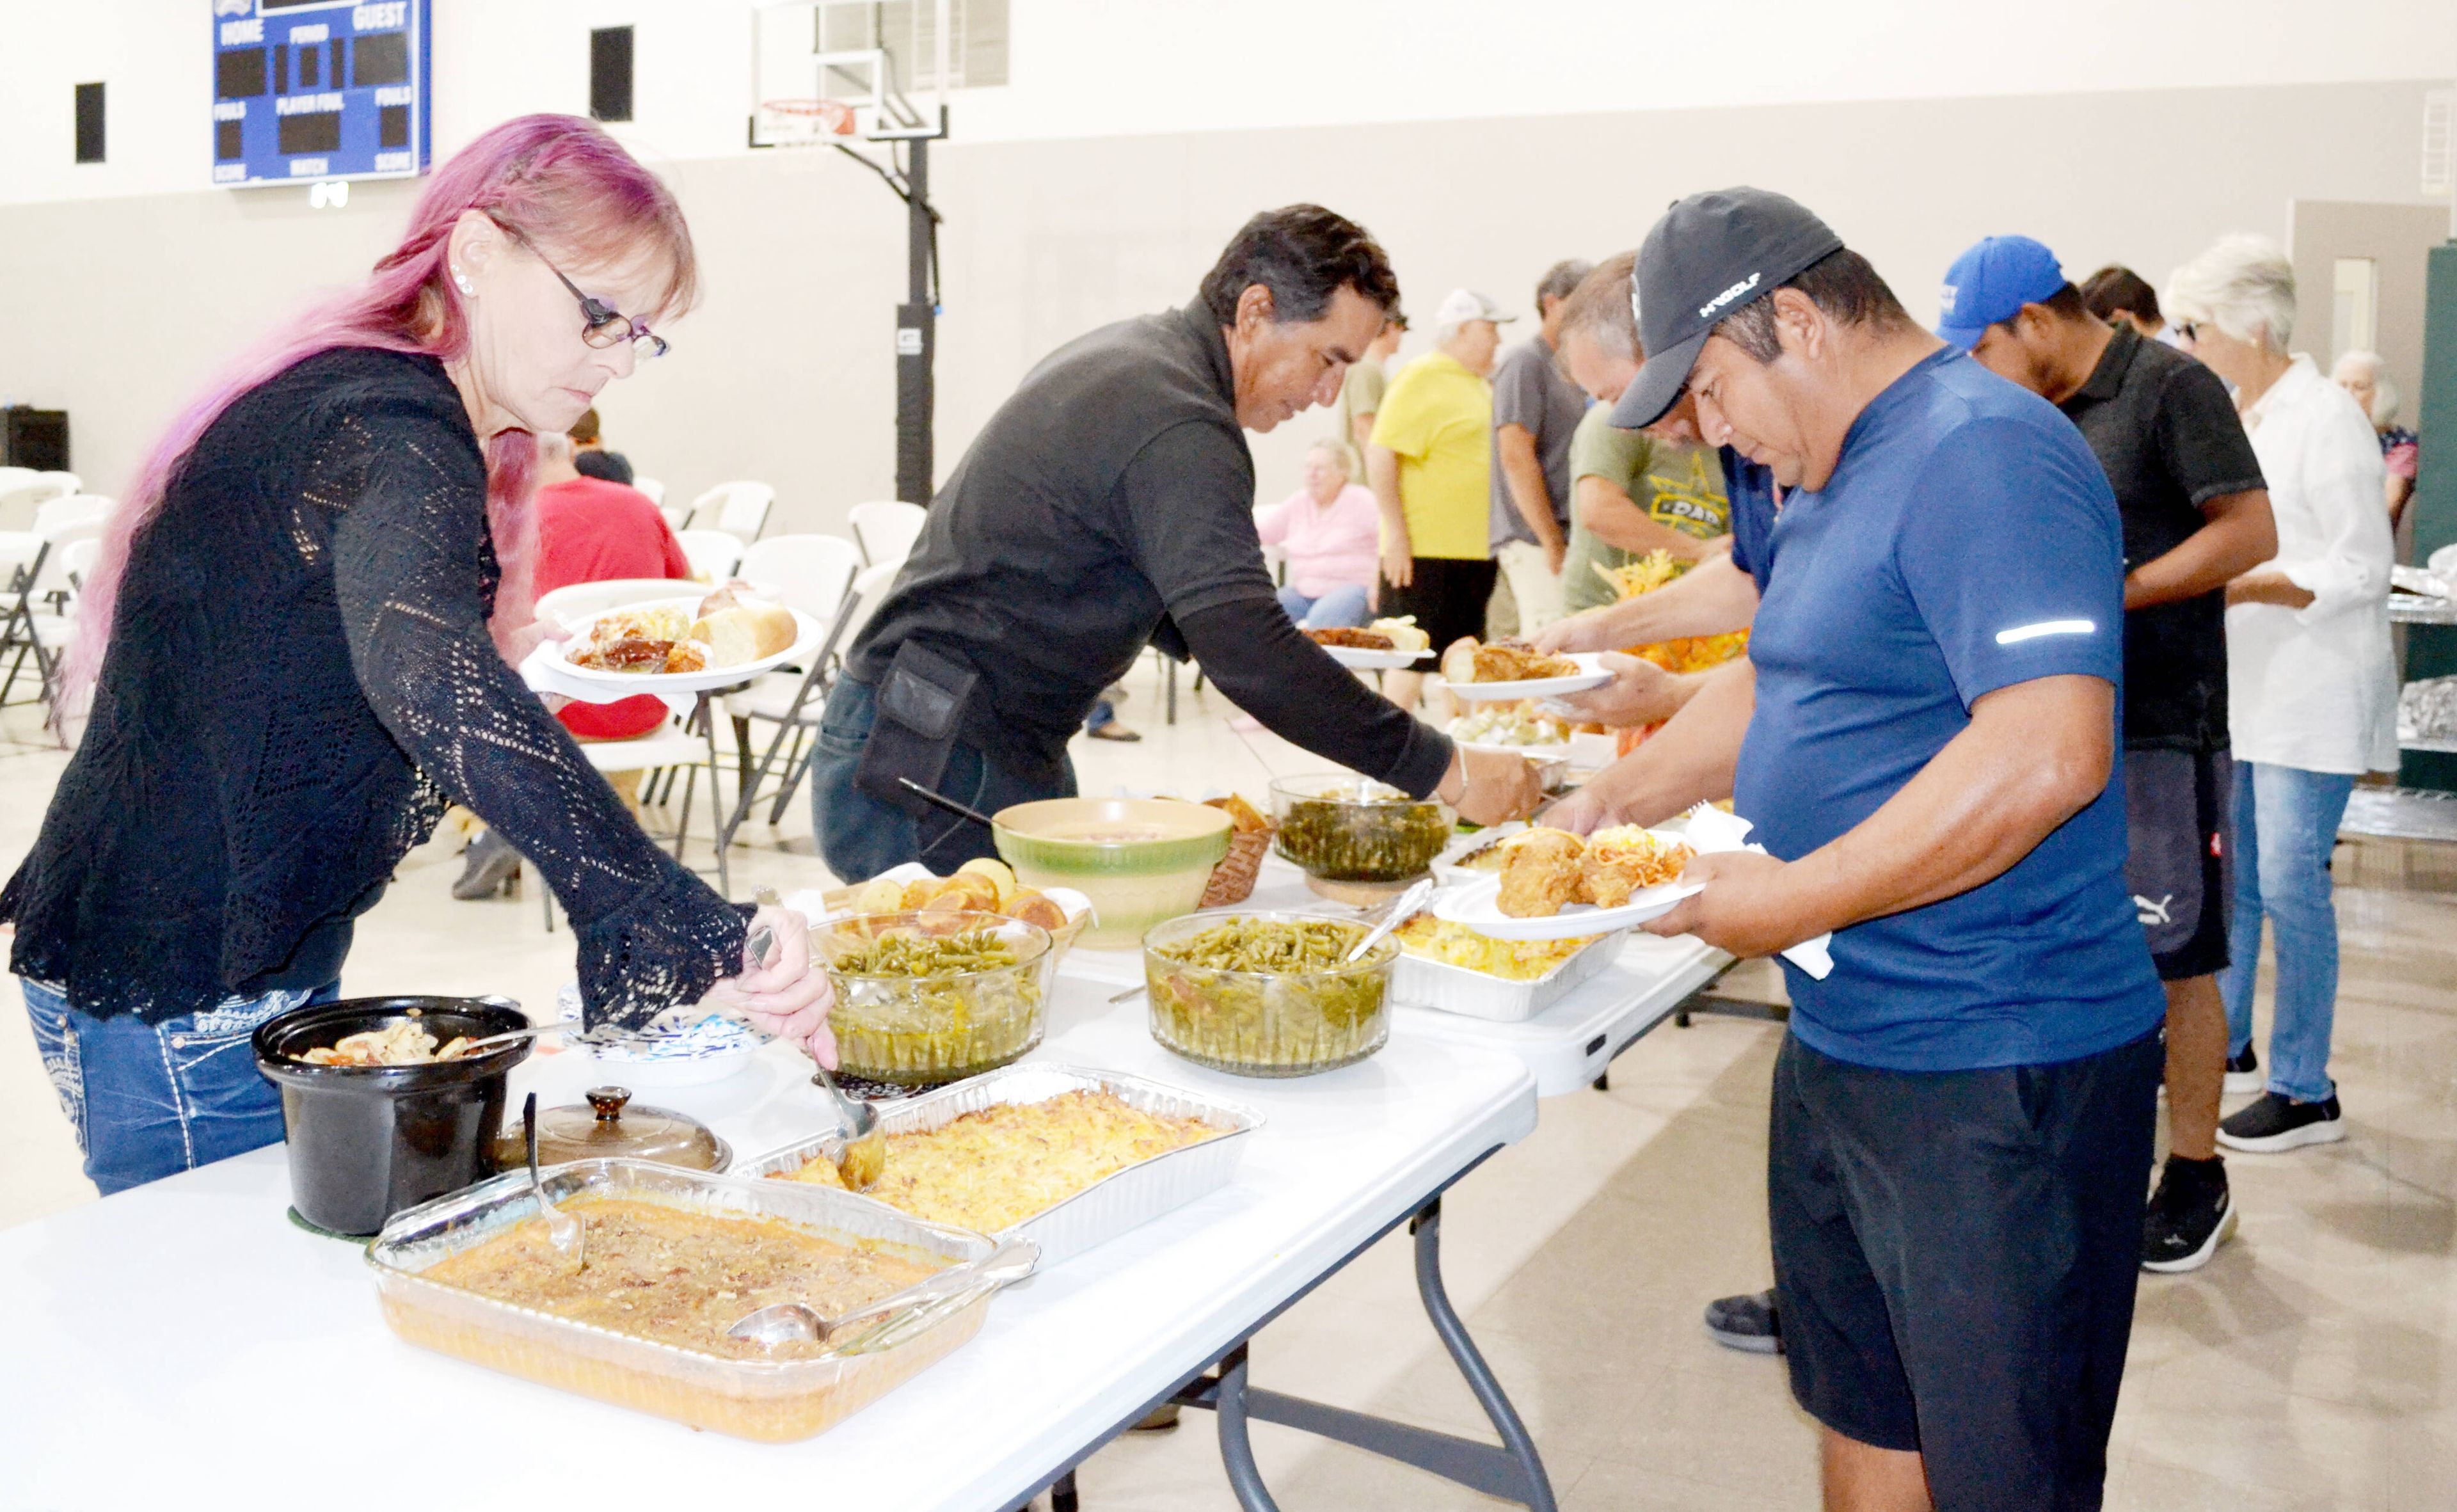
<point>769,1400</point>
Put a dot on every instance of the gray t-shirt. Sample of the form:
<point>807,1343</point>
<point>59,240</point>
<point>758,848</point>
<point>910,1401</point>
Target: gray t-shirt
<point>1529,390</point>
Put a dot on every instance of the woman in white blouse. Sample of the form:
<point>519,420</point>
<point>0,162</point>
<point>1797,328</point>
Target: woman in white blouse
<point>2312,691</point>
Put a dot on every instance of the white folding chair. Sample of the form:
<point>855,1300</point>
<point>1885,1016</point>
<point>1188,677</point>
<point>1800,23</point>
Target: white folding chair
<point>656,490</point>
<point>713,554</point>
<point>886,529</point>
<point>792,701</point>
<point>661,750</point>
<point>68,508</point>
<point>739,507</point>
<point>812,573</point>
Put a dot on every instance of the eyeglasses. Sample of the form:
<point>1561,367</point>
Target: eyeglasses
<point>603,326</point>
<point>2189,330</point>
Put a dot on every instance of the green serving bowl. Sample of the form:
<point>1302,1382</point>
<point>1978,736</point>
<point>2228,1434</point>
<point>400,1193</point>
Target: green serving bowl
<point>1140,860</point>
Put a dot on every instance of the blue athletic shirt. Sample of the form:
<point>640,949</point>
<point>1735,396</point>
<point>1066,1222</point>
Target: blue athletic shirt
<point>1967,540</point>
<point>1750,488</point>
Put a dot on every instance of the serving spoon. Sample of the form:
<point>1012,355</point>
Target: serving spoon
<point>800,1323</point>
<point>863,1156</point>
<point>469,1047</point>
<point>1399,913</point>
<point>563,1231</point>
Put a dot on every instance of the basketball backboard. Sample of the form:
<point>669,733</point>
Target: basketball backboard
<point>827,71</point>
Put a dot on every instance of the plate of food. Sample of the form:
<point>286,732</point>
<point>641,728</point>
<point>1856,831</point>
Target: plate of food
<point>1514,728</point>
<point>1555,885</point>
<point>1387,645</point>
<point>677,644</point>
<point>1510,669</point>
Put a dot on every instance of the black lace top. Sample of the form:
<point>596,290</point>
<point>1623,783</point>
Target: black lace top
<point>299,676</point>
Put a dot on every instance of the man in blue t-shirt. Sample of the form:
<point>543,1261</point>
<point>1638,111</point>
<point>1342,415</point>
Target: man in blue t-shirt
<point>1925,735</point>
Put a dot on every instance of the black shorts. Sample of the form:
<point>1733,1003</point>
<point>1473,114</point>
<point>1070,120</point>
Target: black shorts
<point>1956,1252</point>
<point>2176,818</point>
<point>1448,597</point>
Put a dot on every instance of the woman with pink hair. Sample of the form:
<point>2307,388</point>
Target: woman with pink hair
<point>297,646</point>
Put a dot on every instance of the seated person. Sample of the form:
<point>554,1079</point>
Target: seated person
<point>591,456</point>
<point>1331,531</point>
<point>590,531</point>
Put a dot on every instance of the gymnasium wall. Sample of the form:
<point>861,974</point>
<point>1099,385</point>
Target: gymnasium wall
<point>1067,208</point>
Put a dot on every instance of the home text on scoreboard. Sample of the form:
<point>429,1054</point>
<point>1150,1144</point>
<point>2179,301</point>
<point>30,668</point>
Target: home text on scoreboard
<point>306,90</point>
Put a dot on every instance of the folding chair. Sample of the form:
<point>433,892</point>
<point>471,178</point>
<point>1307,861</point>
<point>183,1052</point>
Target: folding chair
<point>886,529</point>
<point>713,554</point>
<point>40,618</point>
<point>788,701</point>
<point>739,508</point>
<point>656,490</point>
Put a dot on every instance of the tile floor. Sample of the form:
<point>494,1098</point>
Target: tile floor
<point>2313,1365</point>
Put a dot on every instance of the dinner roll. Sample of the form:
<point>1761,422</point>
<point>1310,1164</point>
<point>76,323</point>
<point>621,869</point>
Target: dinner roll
<point>745,632</point>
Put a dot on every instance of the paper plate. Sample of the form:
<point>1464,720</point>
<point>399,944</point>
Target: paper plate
<point>1477,904</point>
<point>1364,660</point>
<point>547,670</point>
<point>1590,674</point>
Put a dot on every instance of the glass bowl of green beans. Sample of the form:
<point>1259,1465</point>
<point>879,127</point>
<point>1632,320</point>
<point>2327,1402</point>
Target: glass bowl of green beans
<point>1263,992</point>
<point>935,995</point>
<point>1343,828</point>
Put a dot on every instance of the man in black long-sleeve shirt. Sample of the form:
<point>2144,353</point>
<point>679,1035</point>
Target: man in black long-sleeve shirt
<point>1107,505</point>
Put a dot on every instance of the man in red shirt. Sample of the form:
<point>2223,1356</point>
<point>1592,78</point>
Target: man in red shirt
<point>590,531</point>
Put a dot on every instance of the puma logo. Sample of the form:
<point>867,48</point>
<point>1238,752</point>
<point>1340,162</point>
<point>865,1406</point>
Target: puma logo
<point>2154,913</point>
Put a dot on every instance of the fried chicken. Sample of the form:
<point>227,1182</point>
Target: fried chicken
<point>1344,635</point>
<point>1516,661</point>
<point>1542,874</point>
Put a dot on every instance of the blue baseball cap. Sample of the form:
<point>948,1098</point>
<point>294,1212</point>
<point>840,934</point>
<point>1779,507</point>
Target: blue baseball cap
<point>1992,281</point>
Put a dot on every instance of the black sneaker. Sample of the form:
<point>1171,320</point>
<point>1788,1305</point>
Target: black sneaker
<point>2278,1122</point>
<point>1748,1322</point>
<point>2243,1072</point>
<point>2190,1216</point>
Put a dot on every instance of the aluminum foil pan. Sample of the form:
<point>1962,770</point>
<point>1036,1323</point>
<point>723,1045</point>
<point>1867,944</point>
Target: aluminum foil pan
<point>1422,983</point>
<point>1100,1211</point>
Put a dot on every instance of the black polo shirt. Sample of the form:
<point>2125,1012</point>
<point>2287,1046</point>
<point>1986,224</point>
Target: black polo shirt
<point>1109,504</point>
<point>2170,441</point>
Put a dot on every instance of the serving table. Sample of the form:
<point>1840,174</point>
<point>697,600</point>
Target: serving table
<point>184,1345</point>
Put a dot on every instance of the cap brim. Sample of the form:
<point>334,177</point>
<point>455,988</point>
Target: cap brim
<point>1961,337</point>
<point>1658,385</point>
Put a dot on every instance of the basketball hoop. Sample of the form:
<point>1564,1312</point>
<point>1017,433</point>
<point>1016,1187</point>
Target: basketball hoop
<point>807,121</point>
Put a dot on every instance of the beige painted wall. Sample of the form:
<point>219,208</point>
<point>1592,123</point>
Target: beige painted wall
<point>117,308</point>
<point>2399,238</point>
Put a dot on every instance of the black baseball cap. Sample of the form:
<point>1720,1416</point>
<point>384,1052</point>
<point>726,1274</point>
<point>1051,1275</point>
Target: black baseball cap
<point>1711,254</point>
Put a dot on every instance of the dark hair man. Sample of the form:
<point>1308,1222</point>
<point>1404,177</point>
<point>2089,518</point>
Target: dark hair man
<point>1108,505</point>
<point>2116,292</point>
<point>1924,734</point>
<point>1536,411</point>
<point>2196,516</point>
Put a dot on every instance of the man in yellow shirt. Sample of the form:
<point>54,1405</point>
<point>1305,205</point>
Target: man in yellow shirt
<point>1430,464</point>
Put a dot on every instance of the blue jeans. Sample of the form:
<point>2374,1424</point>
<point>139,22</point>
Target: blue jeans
<point>152,1100</point>
<point>2285,824</point>
<point>1342,607</point>
<point>860,837</point>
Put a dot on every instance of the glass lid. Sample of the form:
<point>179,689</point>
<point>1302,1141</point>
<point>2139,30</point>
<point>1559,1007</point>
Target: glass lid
<point>610,1126</point>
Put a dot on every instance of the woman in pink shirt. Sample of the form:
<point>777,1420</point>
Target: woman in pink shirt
<point>1331,532</point>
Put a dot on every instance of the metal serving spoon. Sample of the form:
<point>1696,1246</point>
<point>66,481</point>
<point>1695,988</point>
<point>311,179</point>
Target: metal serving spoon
<point>472,1047</point>
<point>1399,913</point>
<point>800,1323</point>
<point>863,1156</point>
<point>563,1231</point>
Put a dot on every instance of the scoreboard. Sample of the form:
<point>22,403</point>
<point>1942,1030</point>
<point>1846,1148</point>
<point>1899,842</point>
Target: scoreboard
<point>320,89</point>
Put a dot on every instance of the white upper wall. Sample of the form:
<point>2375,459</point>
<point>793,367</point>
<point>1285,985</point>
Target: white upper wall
<point>1093,68</point>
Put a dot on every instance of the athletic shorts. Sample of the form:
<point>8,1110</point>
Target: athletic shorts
<point>1448,597</point>
<point>1956,1252</point>
<point>2176,812</point>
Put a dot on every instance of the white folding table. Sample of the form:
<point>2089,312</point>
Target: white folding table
<point>183,1344</point>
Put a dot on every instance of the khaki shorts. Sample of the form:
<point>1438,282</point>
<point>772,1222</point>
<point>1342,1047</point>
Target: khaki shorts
<point>1533,583</point>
